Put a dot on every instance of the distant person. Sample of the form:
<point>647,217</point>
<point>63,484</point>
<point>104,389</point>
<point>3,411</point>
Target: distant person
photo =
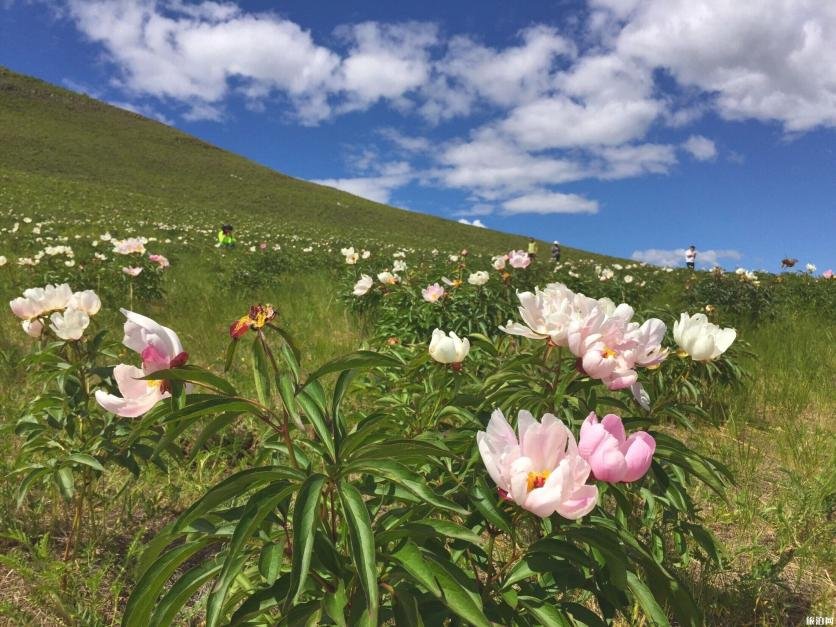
<point>532,248</point>
<point>555,251</point>
<point>691,257</point>
<point>225,237</point>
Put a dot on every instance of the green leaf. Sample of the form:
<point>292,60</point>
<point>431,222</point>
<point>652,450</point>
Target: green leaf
<point>362,544</point>
<point>260,505</point>
<point>305,518</point>
<point>410,558</point>
<point>216,424</point>
<point>87,460</point>
<point>236,485</point>
<point>334,604</point>
<point>432,527</point>
<point>174,600</point>
<point>401,450</point>
<point>315,416</point>
<point>261,372</point>
<point>485,500</point>
<point>340,388</point>
<point>406,609</point>
<point>230,354</point>
<point>290,353</point>
<point>457,591</point>
<point>646,600</point>
<point>23,488</point>
<point>196,375</point>
<point>401,475</point>
<point>270,561</point>
<point>64,480</point>
<point>143,598</point>
<point>545,613</point>
<point>357,359</point>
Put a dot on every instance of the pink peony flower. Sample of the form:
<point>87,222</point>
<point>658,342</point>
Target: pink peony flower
<point>615,458</point>
<point>541,471</point>
<point>519,259</point>
<point>827,274</point>
<point>609,346</point>
<point>433,293</point>
<point>132,271</point>
<point>161,261</point>
<point>159,348</point>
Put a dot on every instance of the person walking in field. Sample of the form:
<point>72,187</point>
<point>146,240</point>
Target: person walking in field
<point>691,257</point>
<point>532,248</point>
<point>225,237</point>
<point>556,251</point>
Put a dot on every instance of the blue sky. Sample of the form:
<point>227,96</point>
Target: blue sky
<point>628,127</point>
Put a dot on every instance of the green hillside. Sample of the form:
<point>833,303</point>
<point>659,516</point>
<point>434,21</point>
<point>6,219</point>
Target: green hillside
<point>64,151</point>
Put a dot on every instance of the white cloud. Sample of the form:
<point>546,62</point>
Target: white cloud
<point>406,143</point>
<point>503,77</point>
<point>378,187</point>
<point>207,10</point>
<point>492,166</point>
<point>634,160</point>
<point>676,257</point>
<point>194,53</point>
<point>550,202</point>
<point>768,60</point>
<point>385,61</point>
<point>478,209</point>
<point>191,57</point>
<point>476,222</point>
<point>701,148</point>
<point>562,122</point>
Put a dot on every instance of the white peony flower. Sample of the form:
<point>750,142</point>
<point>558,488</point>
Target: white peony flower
<point>387,278</point>
<point>87,301</point>
<point>363,285</point>
<point>448,349</point>
<point>479,277</point>
<point>701,339</point>
<point>69,324</point>
<point>33,328</point>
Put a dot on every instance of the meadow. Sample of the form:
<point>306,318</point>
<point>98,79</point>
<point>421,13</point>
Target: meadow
<point>306,449</point>
<point>766,425</point>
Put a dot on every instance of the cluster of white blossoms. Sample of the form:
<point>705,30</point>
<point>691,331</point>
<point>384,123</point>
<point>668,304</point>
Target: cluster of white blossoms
<point>608,344</point>
<point>602,335</point>
<point>747,275</point>
<point>352,256</point>
<point>130,246</point>
<point>66,313</point>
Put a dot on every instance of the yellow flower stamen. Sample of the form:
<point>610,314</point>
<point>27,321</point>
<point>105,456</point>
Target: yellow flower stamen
<point>537,479</point>
<point>607,353</point>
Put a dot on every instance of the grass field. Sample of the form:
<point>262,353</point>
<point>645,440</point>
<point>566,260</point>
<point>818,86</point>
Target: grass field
<point>90,167</point>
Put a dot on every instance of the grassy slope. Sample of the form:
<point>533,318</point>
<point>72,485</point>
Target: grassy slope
<point>87,156</point>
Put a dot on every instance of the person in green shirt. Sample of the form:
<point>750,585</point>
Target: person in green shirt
<point>532,248</point>
<point>225,237</point>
